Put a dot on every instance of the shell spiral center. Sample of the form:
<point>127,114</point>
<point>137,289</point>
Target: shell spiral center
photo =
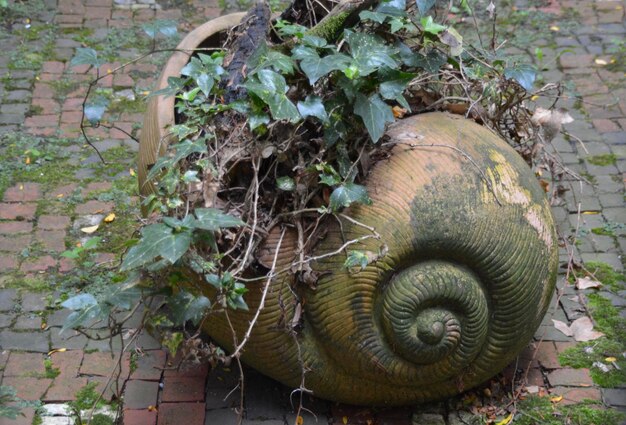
<point>436,312</point>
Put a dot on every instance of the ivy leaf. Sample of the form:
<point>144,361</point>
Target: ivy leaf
<point>357,258</point>
<point>271,89</point>
<point>329,179</point>
<point>286,183</point>
<point>453,39</point>
<point>524,74</point>
<point>79,318</point>
<point>314,41</point>
<point>283,109</point>
<point>392,7</point>
<point>214,219</point>
<point>95,111</point>
<point>369,52</point>
<point>394,83</point>
<point>186,148</point>
<point>373,16</point>
<point>193,68</point>
<point>429,63</point>
<point>280,62</point>
<point>346,194</point>
<point>375,113</point>
<point>187,307</point>
<point>303,52</point>
<point>86,56</point>
<point>157,240</point>
<point>273,81</point>
<point>257,119</point>
<point>79,302</point>
<point>424,5</point>
<point>205,82</point>
<point>312,106</point>
<point>430,26</point>
<point>396,25</point>
<point>167,27</point>
<point>123,296</point>
<point>316,67</point>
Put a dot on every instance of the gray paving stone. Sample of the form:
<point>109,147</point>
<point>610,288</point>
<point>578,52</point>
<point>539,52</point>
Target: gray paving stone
<point>103,345</point>
<point>7,299</point>
<point>57,318</point>
<point>597,170</point>
<point>616,300</point>
<point>140,394</point>
<point>617,138</point>
<point>610,258</point>
<point>596,148</point>
<point>24,322</point>
<point>14,108</point>
<point>11,118</point>
<point>614,396</point>
<point>69,339</point>
<point>34,302</point>
<point>550,333</point>
<point>264,398</point>
<point>615,215</point>
<point>19,96</point>
<point>28,341</point>
<point>220,416</point>
<point>147,342</point>
<point>6,320</point>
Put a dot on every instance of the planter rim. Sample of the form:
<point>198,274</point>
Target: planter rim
<point>160,110</point>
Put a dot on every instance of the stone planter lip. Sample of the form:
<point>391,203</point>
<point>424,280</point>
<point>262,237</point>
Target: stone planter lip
<point>179,59</point>
<point>160,111</point>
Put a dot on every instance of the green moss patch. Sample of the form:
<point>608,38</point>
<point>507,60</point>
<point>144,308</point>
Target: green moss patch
<point>25,158</point>
<point>603,272</point>
<point>603,160</point>
<point>540,410</point>
<point>604,356</point>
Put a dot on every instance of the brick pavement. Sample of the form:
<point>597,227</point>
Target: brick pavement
<point>41,217</point>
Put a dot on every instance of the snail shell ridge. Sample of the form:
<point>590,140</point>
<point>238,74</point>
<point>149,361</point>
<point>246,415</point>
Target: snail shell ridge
<point>469,272</point>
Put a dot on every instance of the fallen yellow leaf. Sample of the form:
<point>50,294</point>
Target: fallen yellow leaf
<point>299,420</point>
<point>556,399</point>
<point>44,325</point>
<point>152,408</point>
<point>57,350</point>
<point>89,230</point>
<point>590,212</point>
<point>344,420</point>
<point>132,172</point>
<point>506,420</point>
<point>600,61</point>
<point>554,28</point>
<point>27,160</point>
<point>109,218</point>
<point>398,112</point>
<point>534,97</point>
<point>60,195</point>
<point>610,359</point>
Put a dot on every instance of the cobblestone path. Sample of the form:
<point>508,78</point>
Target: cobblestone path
<point>52,186</point>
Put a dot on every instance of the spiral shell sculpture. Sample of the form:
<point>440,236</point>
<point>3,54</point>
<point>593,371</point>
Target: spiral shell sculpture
<point>468,276</point>
<point>470,270</point>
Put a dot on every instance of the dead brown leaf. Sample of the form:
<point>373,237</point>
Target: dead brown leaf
<point>586,283</point>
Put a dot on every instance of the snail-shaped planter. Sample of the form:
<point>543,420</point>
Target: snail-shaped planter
<point>470,268</point>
